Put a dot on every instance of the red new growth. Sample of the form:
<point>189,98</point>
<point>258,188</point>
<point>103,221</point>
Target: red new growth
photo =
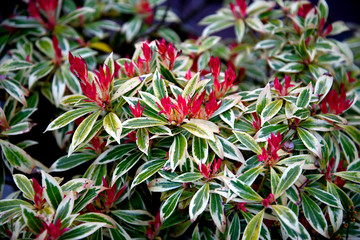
<point>137,110</point>
<point>188,75</point>
<point>338,180</point>
<point>283,91</point>
<point>206,170</point>
<point>239,11</point>
<point>270,157</point>
<point>256,122</point>
<point>143,7</point>
<point>337,104</point>
<point>111,195</point>
<point>48,8</point>
<point>57,50</point>
<point>148,55</point>
<point>103,81</point>
<point>175,113</point>
<point>38,200</point>
<point>350,79</point>
<point>129,70</point>
<point>154,227</point>
<point>241,206</point>
<point>167,52</point>
<point>269,200</point>
<point>215,68</point>
<point>324,32</point>
<point>54,231</point>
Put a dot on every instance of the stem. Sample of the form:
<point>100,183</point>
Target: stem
<point>263,181</point>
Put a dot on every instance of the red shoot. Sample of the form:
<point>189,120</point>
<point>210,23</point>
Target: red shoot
<point>283,91</point>
<point>239,11</point>
<point>256,122</point>
<point>97,144</point>
<point>48,8</point>
<point>57,50</point>
<point>270,157</point>
<point>103,81</point>
<point>211,105</point>
<point>129,70</point>
<point>143,7</point>
<point>209,171</point>
<point>188,75</point>
<point>337,104</point>
<point>38,197</point>
<point>111,195</point>
<point>304,9</point>
<point>324,32</point>
<point>338,180</point>
<point>350,79</point>
<point>167,52</point>
<point>175,113</point>
<point>131,136</point>
<point>154,227</point>
<point>54,231</point>
<point>269,200</point>
<point>198,110</point>
<point>215,68</point>
<point>148,55</point>
<point>241,206</point>
<point>137,110</point>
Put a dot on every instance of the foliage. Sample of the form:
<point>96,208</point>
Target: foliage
<point>257,139</point>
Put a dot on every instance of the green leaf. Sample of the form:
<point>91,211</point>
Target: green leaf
<point>265,132</point>
<point>270,110</point>
<point>65,163</point>
<point>231,151</point>
<point>65,208</point>
<point>11,65</point>
<point>115,153</point>
<point>125,165</point>
<point>350,150</point>
<point>159,86</point>
<point>243,190</point>
<point>58,87</point>
<point>69,117</point>
<point>162,185</point>
<point>86,197</point>
<point>53,192</point>
<point>97,218</point>
<point>200,149</point>
<point>75,14</point>
<point>14,90</point>
<point>353,176</point>
<point>142,140</point>
<point>217,211</point>
<point>216,27</point>
<point>289,177</point>
<point>113,126</point>
<point>199,202</point>
<point>310,141</point>
<point>177,152</point>
<point>239,29</point>
<point>126,87</point>
<point>188,177</point>
<point>304,98</point>
<point>253,228</point>
<point>109,61</point>
<point>39,71</point>
<point>217,147</point>
<point>134,217</point>
<point>323,86</point>
<point>83,130</point>
<point>18,129</point>
<point>235,228</point>
<point>142,122</point>
<point>17,157</point>
<point>147,170</point>
<point>169,205</point>
<point>131,28</point>
<point>202,128</point>
<point>25,185</point>
<point>263,99</point>
<point>45,45</point>
<point>288,219</point>
<point>248,141</point>
<point>324,197</point>
<point>308,158</point>
<point>81,231</point>
<point>314,215</point>
<point>31,220</point>
<point>119,233</point>
<point>256,24</point>
<point>208,42</point>
<point>292,67</point>
<point>191,85</point>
